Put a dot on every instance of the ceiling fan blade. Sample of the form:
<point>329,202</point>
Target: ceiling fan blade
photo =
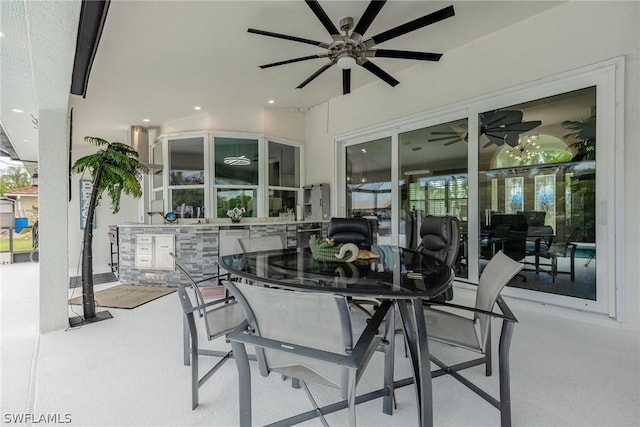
<point>367,18</point>
<point>322,16</point>
<point>289,61</point>
<point>286,37</point>
<point>444,138</point>
<point>416,24</point>
<point>452,142</point>
<point>405,54</point>
<point>346,81</point>
<point>314,75</point>
<point>523,127</point>
<point>498,118</point>
<point>444,132</point>
<point>493,139</point>
<point>373,68</point>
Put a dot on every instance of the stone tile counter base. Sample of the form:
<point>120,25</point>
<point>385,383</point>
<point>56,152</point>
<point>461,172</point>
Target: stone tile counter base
<point>196,244</point>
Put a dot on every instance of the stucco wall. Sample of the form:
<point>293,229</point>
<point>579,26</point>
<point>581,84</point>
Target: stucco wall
<point>564,38</point>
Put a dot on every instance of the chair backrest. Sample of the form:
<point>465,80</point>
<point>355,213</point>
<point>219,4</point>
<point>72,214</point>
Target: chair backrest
<point>263,243</point>
<point>534,218</point>
<point>220,316</point>
<point>513,228</point>
<point>311,319</point>
<point>440,238</point>
<point>350,230</point>
<point>182,291</point>
<point>516,222</point>
<point>497,273</point>
<point>561,246</point>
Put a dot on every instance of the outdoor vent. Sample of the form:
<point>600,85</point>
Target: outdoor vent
<point>140,142</point>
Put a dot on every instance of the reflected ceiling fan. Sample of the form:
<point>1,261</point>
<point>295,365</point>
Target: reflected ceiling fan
<point>504,126</point>
<point>499,126</point>
<point>351,48</point>
<point>456,134</point>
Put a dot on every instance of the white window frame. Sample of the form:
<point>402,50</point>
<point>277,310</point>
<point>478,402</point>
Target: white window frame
<point>301,171</point>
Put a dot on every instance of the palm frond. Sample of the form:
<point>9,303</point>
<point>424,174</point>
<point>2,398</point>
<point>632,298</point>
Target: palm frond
<point>96,141</point>
<point>121,170</point>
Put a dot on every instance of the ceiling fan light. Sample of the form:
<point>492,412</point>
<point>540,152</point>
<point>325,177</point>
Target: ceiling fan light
<point>346,62</point>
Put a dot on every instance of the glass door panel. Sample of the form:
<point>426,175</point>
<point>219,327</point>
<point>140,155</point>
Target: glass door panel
<point>537,167</point>
<point>433,181</point>
<point>368,185</point>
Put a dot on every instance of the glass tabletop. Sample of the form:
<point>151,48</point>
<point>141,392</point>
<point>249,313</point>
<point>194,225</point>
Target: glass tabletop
<point>398,273</point>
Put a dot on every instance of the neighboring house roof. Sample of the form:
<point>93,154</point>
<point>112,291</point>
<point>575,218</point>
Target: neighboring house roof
<point>32,190</point>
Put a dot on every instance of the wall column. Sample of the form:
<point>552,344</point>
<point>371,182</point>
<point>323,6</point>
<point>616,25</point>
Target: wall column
<point>53,173</point>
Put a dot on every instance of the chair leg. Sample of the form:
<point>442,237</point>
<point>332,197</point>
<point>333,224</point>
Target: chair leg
<point>244,383</point>
<point>573,267</point>
<point>388,402</point>
<point>194,359</point>
<point>505,387</point>
<point>186,342</point>
<point>351,400</point>
<point>487,355</point>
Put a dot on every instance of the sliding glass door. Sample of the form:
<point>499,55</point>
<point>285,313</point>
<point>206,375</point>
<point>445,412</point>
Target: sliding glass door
<point>531,171</point>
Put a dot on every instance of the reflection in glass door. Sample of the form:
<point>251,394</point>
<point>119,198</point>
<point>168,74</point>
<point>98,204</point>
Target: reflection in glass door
<point>537,165</point>
<point>368,185</point>
<point>433,181</point>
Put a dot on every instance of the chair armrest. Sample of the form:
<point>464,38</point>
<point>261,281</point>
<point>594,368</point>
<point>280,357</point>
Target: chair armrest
<point>367,340</point>
<point>209,304</point>
<point>240,334</point>
<point>506,310</point>
<point>508,315</point>
<point>466,282</point>
<point>208,279</point>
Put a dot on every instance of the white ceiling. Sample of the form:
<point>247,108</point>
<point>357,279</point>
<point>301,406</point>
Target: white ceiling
<point>158,59</point>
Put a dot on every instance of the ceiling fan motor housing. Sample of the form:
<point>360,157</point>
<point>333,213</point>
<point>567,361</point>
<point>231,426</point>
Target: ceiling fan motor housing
<point>346,24</point>
<point>346,48</point>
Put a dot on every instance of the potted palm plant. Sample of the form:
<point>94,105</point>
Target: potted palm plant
<point>114,169</point>
<point>584,132</point>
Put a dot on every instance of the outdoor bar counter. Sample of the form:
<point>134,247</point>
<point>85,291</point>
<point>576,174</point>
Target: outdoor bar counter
<point>142,250</point>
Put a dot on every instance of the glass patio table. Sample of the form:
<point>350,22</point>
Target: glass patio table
<point>400,275</point>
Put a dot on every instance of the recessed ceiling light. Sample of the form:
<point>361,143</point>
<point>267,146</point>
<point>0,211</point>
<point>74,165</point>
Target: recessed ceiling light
<point>146,120</point>
<point>16,110</point>
<point>1,34</point>
<point>363,150</point>
<point>197,107</point>
<point>272,101</point>
<point>26,140</point>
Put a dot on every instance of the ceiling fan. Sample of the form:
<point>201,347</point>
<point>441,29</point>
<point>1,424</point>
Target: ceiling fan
<point>499,126</point>
<point>351,48</point>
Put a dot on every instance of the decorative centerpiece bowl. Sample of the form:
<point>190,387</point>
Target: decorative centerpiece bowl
<point>236,214</point>
<point>326,250</point>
